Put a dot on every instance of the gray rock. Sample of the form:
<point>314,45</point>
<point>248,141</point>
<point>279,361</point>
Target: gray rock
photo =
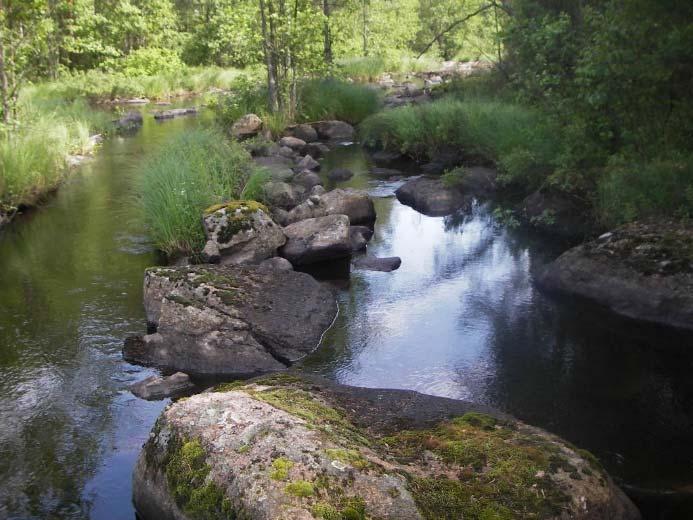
<point>307,163</point>
<point>307,179</point>
<point>340,174</point>
<point>155,388</point>
<point>305,132</point>
<point>431,197</point>
<point>277,262</point>
<point>240,232</point>
<point>642,270</point>
<point>359,236</point>
<point>283,195</point>
<point>355,204</point>
<point>316,240</point>
<point>287,152</point>
<point>335,130</point>
<point>292,142</point>
<point>247,126</point>
<point>174,112</point>
<point>131,120</point>
<point>372,263</point>
<point>231,320</point>
<point>318,190</point>
<point>316,150</point>
<point>256,451</point>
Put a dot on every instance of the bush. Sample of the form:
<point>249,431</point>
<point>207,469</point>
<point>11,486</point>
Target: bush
<point>334,99</point>
<point>629,190</point>
<point>149,61</point>
<point>190,172</point>
<point>523,144</point>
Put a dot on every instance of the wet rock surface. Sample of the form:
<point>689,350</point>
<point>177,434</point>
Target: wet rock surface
<point>230,320</point>
<point>643,270</point>
<point>373,263</point>
<point>431,196</point>
<point>316,240</point>
<point>160,387</point>
<point>355,204</point>
<point>290,447</point>
<point>174,112</point>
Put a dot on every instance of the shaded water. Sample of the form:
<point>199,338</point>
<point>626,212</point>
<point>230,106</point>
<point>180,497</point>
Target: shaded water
<point>460,318</point>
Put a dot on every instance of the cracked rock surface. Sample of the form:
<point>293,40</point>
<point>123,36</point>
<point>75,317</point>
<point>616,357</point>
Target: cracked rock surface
<point>230,320</point>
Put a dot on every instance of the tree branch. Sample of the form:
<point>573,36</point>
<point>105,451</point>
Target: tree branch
<point>456,23</point>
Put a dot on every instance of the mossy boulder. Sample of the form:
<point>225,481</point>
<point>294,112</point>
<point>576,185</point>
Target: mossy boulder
<point>643,270</point>
<point>290,447</point>
<point>230,320</point>
<point>240,232</point>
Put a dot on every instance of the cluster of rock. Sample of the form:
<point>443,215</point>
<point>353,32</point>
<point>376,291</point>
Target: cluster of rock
<point>291,447</point>
<point>133,119</point>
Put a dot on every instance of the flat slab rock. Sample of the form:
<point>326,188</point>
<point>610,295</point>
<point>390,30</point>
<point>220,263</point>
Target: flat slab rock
<point>316,240</point>
<point>641,270</point>
<point>290,447</point>
<point>230,320</point>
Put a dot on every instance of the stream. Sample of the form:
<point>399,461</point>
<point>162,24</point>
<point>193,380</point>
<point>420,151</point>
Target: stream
<point>460,318</point>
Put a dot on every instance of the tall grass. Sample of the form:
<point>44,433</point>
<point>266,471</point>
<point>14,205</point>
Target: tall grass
<point>369,68</point>
<point>630,190</point>
<point>189,173</point>
<point>522,142</point>
<point>318,100</point>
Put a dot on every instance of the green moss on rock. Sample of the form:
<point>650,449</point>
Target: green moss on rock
<point>245,206</point>
<point>187,476</point>
<point>300,488</point>
<point>280,468</point>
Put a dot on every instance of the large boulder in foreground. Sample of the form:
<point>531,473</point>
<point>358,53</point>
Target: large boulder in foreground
<point>641,270</point>
<point>240,232</point>
<point>355,204</point>
<point>431,196</point>
<point>230,320</point>
<point>317,240</point>
<point>288,448</point>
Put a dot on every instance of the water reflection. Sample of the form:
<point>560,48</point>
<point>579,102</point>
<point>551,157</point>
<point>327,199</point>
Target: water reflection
<point>461,318</point>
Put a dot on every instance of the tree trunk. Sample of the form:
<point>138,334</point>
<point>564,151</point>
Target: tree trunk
<point>4,87</point>
<point>272,101</point>
<point>326,10</point>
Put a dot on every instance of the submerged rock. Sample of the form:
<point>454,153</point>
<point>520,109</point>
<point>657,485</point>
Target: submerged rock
<point>373,263</point>
<point>307,163</point>
<point>431,196</point>
<point>317,239</point>
<point>155,388</point>
<point>174,112</point>
<point>643,270</point>
<point>130,121</point>
<point>355,204</point>
<point>340,174</point>
<point>240,232</point>
<point>230,320</point>
<point>285,448</point>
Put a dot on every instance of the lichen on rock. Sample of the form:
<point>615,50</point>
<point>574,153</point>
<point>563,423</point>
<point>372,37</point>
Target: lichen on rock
<point>285,447</point>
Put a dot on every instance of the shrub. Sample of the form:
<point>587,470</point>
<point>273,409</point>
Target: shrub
<point>521,142</point>
<point>334,99</point>
<point>190,172</point>
<point>149,61</point>
<point>632,190</point>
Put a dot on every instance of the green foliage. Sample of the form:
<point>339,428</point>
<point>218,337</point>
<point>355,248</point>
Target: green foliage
<point>150,61</point>
<point>254,186</point>
<point>631,190</point>
<point>520,140</point>
<point>333,99</point>
<point>189,173</point>
<point>300,488</point>
<point>280,468</point>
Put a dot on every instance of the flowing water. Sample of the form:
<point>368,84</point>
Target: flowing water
<point>461,318</point>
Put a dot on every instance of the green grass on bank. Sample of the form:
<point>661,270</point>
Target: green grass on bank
<point>518,139</point>
<point>369,68</point>
<point>317,100</point>
<point>189,173</point>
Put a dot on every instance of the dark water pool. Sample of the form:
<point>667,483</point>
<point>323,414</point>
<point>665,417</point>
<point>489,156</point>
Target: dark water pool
<point>460,318</point>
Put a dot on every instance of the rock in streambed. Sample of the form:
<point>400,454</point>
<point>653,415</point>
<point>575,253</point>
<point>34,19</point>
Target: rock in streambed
<point>284,447</point>
<point>643,270</point>
<point>229,319</point>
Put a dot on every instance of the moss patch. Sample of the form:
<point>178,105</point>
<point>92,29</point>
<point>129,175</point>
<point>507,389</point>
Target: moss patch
<point>300,488</point>
<point>280,468</point>
<point>245,206</point>
<point>187,476</point>
<point>348,508</point>
<point>501,475</point>
<point>351,457</point>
